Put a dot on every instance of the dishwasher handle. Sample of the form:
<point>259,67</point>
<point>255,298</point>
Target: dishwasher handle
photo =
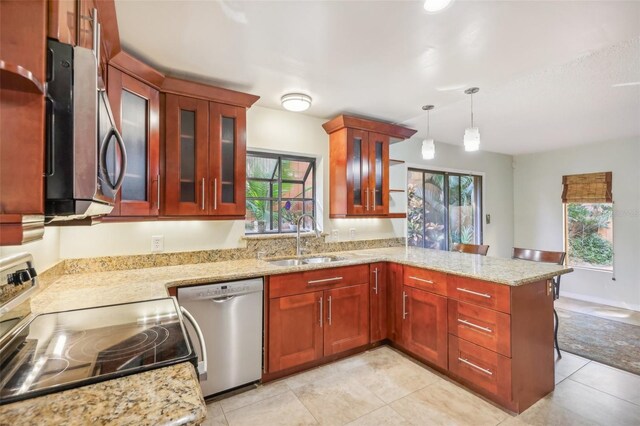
<point>202,365</point>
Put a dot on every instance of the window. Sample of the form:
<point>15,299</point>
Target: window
<point>443,208</point>
<point>280,188</point>
<point>588,220</point>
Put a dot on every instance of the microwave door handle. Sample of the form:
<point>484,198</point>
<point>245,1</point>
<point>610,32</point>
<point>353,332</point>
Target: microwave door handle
<point>51,142</point>
<point>123,159</point>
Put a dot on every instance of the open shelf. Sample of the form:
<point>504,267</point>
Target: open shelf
<point>393,162</point>
<point>17,78</point>
<point>396,190</point>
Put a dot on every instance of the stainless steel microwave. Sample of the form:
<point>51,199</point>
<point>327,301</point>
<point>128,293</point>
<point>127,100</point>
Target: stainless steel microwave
<point>86,157</point>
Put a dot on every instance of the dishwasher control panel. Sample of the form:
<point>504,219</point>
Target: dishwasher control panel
<point>221,290</point>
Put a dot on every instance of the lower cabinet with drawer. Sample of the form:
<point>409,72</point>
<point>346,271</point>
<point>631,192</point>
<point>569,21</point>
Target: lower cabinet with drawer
<point>315,314</point>
<point>501,339</point>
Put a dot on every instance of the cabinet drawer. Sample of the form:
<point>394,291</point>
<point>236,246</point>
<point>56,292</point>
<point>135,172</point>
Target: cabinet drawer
<point>482,293</point>
<point>480,367</point>
<point>485,327</point>
<point>425,279</point>
<point>319,279</point>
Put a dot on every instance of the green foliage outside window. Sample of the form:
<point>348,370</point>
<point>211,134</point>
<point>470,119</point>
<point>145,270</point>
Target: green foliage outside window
<point>589,235</point>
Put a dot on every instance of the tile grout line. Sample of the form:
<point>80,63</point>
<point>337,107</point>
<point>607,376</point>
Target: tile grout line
<point>302,403</point>
<point>604,392</point>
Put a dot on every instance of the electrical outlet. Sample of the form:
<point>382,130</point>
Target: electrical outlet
<point>157,243</point>
<point>334,234</point>
<point>352,233</point>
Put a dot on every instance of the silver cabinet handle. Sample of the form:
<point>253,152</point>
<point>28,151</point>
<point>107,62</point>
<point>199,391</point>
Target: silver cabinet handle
<point>404,305</point>
<point>202,365</point>
<point>367,193</point>
<point>373,193</point>
<point>202,202</point>
<point>469,363</point>
<point>215,194</point>
<point>321,311</point>
<point>479,327</point>
<point>475,293</point>
<point>421,279</point>
<point>324,280</point>
<point>375,288</point>
<point>329,318</point>
<point>158,194</point>
<point>96,33</point>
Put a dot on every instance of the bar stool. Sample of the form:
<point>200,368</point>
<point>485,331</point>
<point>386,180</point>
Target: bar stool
<point>548,257</point>
<point>470,248</point>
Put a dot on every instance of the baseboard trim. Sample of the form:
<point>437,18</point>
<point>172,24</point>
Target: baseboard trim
<point>600,300</point>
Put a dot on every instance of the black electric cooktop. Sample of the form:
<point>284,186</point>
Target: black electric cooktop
<point>63,350</point>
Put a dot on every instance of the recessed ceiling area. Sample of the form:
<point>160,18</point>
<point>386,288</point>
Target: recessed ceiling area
<point>549,72</point>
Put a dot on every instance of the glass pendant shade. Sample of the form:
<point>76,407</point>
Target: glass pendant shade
<point>428,149</point>
<point>472,139</point>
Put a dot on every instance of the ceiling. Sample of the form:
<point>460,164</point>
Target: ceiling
<point>548,72</point>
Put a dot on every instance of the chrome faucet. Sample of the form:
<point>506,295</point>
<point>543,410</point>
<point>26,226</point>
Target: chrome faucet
<point>315,225</point>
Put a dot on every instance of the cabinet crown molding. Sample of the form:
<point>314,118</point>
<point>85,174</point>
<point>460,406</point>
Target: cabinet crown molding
<point>348,121</point>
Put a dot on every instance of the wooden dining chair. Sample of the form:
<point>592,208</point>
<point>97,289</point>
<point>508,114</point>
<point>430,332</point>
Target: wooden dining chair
<point>470,248</point>
<point>547,257</point>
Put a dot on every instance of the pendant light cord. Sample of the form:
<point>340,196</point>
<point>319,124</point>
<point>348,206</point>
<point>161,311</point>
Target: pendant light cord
<point>428,130</point>
<point>472,110</point>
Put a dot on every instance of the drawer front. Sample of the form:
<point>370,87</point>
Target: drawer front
<point>481,368</point>
<point>482,293</point>
<point>425,279</point>
<point>319,279</point>
<point>485,327</point>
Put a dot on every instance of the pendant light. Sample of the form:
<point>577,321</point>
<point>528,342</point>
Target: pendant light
<point>428,145</point>
<point>472,134</point>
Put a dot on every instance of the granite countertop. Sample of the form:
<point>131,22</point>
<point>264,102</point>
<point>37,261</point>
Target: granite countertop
<point>172,395</point>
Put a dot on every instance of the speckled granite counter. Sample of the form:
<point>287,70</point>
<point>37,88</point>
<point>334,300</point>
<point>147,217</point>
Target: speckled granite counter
<point>172,395</point>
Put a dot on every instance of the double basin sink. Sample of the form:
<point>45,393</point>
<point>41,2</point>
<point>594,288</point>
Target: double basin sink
<point>294,261</point>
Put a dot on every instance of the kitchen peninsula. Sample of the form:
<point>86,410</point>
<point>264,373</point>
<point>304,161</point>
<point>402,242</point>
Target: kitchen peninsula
<point>509,297</point>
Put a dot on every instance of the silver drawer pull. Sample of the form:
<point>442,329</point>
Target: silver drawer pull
<point>479,327</point>
<point>469,363</point>
<point>325,280</point>
<point>488,296</point>
<point>422,280</point>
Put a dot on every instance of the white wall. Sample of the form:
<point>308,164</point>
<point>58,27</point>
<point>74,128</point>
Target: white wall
<point>539,221</point>
<point>46,252</point>
<point>497,173</point>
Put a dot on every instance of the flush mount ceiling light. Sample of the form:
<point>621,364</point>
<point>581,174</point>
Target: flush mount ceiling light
<point>296,102</point>
<point>428,145</point>
<point>472,134</point>
<point>434,6</point>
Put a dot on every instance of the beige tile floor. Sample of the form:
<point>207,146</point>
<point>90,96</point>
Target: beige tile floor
<point>603,311</point>
<point>384,387</point>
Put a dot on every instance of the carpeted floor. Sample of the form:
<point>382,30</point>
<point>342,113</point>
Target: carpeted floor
<point>610,342</point>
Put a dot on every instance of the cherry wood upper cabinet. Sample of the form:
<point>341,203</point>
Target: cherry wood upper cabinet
<point>186,156</point>
<point>227,159</point>
<point>136,108</point>
<point>22,120</point>
<point>359,170</point>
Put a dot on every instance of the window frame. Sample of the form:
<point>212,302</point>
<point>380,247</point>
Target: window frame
<point>479,200</point>
<point>280,200</point>
<point>565,232</point>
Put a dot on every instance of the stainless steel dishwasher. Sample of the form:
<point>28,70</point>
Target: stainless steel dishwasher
<point>230,316</point>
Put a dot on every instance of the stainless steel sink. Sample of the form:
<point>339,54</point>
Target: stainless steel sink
<point>296,261</point>
<point>286,262</point>
<point>319,259</point>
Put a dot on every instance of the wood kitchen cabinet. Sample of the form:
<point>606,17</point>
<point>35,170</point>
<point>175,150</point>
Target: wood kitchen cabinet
<point>136,109</point>
<point>22,120</point>
<point>359,173</point>
<point>378,301</point>
<point>205,158</point>
<point>316,314</point>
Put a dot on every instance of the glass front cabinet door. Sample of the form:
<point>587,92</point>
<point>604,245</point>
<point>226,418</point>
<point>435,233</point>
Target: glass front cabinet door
<point>227,159</point>
<point>186,157</point>
<point>136,110</point>
<point>357,171</point>
<point>378,174</point>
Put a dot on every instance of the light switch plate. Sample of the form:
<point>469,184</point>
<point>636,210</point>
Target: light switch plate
<point>157,243</point>
<point>488,218</point>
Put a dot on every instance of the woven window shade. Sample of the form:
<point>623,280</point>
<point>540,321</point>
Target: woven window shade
<point>587,188</point>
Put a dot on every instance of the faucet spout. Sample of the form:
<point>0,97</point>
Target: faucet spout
<point>315,226</point>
